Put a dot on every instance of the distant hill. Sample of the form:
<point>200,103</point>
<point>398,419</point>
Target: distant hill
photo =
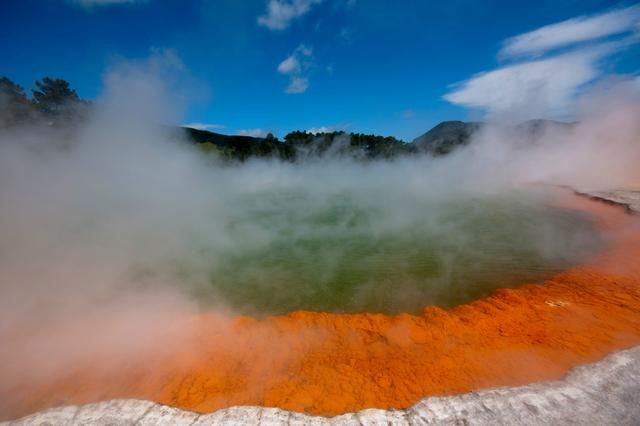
<point>449,135</point>
<point>440,140</point>
<point>240,147</point>
<point>446,136</point>
<point>301,145</point>
<point>56,104</point>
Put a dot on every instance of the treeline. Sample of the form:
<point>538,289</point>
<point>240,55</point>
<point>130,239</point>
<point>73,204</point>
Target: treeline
<point>54,101</point>
<point>240,148</point>
<point>301,145</point>
<point>352,144</point>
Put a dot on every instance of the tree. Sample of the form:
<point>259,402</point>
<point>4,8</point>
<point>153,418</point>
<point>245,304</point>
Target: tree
<point>55,97</point>
<point>12,90</point>
<point>14,105</point>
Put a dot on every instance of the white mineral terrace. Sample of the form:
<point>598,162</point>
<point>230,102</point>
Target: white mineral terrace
<point>603,393</point>
<point>628,198</point>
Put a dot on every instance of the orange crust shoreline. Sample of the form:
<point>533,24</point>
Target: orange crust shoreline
<point>328,364</point>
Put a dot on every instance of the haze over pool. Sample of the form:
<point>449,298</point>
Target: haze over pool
<point>368,250</point>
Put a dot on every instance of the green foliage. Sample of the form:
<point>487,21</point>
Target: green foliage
<point>227,153</point>
<point>55,97</point>
<point>12,90</point>
<point>299,145</point>
<point>381,146</point>
<point>14,105</point>
<point>240,148</point>
<point>53,102</point>
<point>350,144</point>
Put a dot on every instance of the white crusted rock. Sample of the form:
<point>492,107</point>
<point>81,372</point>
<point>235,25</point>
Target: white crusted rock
<point>628,198</point>
<point>299,419</point>
<point>163,415</point>
<point>377,417</point>
<point>117,411</point>
<point>52,416</point>
<point>234,416</point>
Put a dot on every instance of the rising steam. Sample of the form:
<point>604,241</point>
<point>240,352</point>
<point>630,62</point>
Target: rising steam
<point>110,228</point>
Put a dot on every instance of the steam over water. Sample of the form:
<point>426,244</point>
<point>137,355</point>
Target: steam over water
<point>368,250</point>
<point>113,233</point>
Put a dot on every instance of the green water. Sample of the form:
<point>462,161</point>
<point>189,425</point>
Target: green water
<point>285,250</point>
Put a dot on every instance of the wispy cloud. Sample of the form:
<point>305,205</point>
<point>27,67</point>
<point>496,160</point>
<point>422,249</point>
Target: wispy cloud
<point>297,85</point>
<point>297,66</point>
<point>255,133</point>
<point>289,65</point>
<point>280,13</point>
<point>572,31</point>
<point>408,113</point>
<point>535,88</point>
<point>204,126</point>
<point>328,129</point>
<point>555,62</point>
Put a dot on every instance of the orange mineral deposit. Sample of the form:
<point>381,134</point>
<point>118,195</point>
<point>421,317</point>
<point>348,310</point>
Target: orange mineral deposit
<point>328,364</point>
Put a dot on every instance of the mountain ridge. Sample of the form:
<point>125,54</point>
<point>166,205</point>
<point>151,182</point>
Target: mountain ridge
<point>442,139</point>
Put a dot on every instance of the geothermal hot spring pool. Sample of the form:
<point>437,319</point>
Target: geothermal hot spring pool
<point>348,252</point>
<point>332,298</point>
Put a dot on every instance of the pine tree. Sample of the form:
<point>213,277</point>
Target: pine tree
<point>14,106</point>
<point>55,97</point>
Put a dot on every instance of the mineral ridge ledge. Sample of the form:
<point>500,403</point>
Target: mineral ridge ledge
<point>628,198</point>
<point>606,392</point>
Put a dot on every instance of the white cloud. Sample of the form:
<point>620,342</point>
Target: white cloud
<point>297,62</point>
<point>289,65</point>
<point>297,85</point>
<point>408,113</point>
<point>280,13</point>
<point>572,31</point>
<point>296,66</point>
<point>322,129</point>
<point>255,133</point>
<point>327,129</point>
<point>547,82</point>
<point>204,126</point>
<point>530,89</point>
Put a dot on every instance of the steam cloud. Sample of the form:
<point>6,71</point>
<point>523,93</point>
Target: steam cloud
<point>102,225</point>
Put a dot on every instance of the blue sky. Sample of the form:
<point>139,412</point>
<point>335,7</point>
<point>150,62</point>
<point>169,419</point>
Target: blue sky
<point>373,66</point>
